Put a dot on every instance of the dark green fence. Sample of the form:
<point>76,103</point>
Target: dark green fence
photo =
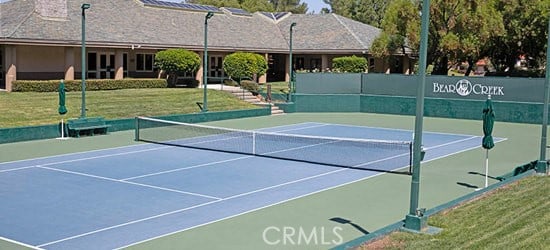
<point>515,99</point>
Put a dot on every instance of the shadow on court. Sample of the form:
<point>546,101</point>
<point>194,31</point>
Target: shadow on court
<point>349,222</point>
<point>467,185</point>
<point>482,174</point>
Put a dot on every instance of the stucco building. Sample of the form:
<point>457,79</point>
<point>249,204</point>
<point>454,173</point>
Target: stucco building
<point>41,39</point>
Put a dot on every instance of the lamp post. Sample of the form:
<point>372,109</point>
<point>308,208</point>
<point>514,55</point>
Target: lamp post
<point>290,68</point>
<point>84,7</point>
<point>415,220</point>
<point>205,62</point>
<point>541,164</point>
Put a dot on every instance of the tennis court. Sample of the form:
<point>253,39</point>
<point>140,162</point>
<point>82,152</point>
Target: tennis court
<point>117,197</point>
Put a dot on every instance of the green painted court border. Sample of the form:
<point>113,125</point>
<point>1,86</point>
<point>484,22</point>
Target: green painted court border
<point>454,203</point>
<point>223,233</point>
<point>18,134</point>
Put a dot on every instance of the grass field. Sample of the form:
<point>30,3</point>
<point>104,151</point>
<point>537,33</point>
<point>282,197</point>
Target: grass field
<point>512,217</point>
<point>31,108</point>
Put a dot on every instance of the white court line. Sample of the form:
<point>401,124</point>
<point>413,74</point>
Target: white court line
<point>255,209</point>
<point>394,129</point>
<point>186,168</point>
<point>16,169</point>
<point>463,150</point>
<point>453,142</point>
<point>75,153</point>
<point>189,208</point>
<point>316,125</point>
<point>204,204</point>
<point>19,243</point>
<point>81,159</point>
<point>129,182</point>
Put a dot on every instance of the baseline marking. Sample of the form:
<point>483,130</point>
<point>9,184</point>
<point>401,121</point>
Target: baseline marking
<point>189,208</point>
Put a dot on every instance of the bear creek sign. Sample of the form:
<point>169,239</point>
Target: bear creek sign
<point>465,88</point>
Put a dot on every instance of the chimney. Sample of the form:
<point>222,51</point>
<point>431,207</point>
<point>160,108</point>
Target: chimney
<point>51,8</point>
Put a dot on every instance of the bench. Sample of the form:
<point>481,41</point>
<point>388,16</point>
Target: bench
<point>92,126</point>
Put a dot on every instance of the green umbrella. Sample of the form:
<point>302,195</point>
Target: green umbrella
<point>62,109</point>
<point>487,141</point>
<point>488,122</point>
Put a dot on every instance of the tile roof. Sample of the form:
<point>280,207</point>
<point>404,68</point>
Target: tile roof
<point>121,23</point>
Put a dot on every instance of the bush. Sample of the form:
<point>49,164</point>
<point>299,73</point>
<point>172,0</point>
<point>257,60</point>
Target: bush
<point>350,64</point>
<point>91,84</point>
<point>177,62</point>
<point>244,65</point>
<point>251,86</point>
<point>187,82</point>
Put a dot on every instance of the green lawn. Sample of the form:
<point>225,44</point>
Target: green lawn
<point>32,108</point>
<point>513,217</point>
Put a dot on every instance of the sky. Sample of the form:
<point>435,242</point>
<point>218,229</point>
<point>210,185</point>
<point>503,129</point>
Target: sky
<point>313,5</point>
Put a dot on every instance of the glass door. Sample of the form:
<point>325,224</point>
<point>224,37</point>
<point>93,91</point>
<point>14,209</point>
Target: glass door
<point>106,66</point>
<point>216,66</point>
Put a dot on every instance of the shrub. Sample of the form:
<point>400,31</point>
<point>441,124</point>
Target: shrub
<point>188,82</point>
<point>244,65</point>
<point>350,64</point>
<point>91,84</point>
<point>177,61</point>
<point>251,86</point>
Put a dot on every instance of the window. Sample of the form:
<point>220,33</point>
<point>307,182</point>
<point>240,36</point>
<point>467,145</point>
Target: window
<point>144,62</point>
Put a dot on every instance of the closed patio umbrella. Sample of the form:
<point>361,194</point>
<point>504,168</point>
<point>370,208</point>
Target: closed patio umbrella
<point>487,141</point>
<point>62,109</point>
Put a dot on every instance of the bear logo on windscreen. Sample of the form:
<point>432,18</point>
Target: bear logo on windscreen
<point>464,87</point>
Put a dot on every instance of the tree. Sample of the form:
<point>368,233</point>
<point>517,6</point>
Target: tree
<point>366,11</point>
<point>177,61</point>
<point>240,65</point>
<point>526,27</point>
<point>460,30</point>
<point>293,6</point>
<point>400,29</point>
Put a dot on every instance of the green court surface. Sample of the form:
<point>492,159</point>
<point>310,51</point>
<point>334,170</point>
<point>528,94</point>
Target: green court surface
<point>331,217</point>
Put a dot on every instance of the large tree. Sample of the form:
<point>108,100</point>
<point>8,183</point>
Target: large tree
<point>400,28</point>
<point>366,11</point>
<point>526,25</point>
<point>294,6</point>
<point>460,30</point>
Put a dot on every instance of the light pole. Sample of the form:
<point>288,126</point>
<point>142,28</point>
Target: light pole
<point>205,62</point>
<point>541,164</point>
<point>415,220</point>
<point>290,66</point>
<point>84,7</point>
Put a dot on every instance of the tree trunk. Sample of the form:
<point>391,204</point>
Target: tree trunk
<point>470,66</point>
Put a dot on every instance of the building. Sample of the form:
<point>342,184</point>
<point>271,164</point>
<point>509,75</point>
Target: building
<point>41,39</point>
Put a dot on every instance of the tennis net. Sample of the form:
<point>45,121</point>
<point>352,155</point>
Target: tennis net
<point>365,154</point>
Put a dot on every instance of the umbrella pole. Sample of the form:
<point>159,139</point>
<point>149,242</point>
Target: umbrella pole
<point>487,168</point>
<point>62,129</point>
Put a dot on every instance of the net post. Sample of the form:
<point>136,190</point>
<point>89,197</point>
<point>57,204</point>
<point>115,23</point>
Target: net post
<point>254,142</point>
<point>136,129</point>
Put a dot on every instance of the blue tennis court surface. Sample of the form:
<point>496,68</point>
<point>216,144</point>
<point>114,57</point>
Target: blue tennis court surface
<point>117,197</point>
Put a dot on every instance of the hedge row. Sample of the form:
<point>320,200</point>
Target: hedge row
<point>91,84</point>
